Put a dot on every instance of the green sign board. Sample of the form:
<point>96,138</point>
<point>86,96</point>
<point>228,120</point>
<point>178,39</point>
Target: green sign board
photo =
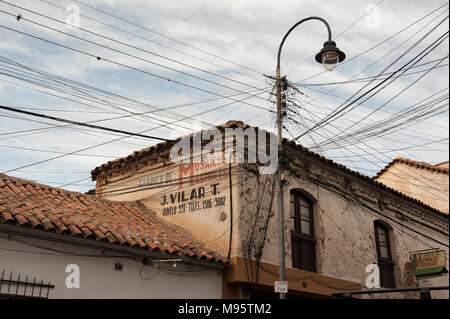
<point>429,264</point>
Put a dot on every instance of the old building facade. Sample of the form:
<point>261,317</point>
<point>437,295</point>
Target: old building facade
<point>337,221</point>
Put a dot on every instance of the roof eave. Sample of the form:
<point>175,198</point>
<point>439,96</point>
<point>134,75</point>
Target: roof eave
<point>95,244</point>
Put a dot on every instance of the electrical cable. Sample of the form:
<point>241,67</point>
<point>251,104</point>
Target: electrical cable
<point>343,107</point>
<point>380,43</point>
<point>134,68</point>
<point>167,37</point>
<point>59,119</point>
<point>339,35</point>
<point>153,42</point>
<point>122,43</point>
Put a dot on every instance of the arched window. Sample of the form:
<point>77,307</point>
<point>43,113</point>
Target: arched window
<point>385,262</point>
<point>302,235</point>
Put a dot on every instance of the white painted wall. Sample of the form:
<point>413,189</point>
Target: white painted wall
<point>98,279</point>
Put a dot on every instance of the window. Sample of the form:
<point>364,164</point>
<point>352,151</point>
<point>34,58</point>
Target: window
<point>302,235</point>
<point>385,263</point>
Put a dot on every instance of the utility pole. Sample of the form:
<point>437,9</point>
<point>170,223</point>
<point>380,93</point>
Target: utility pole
<point>279,189</point>
<point>329,56</point>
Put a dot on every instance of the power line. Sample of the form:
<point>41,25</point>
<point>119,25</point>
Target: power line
<point>154,109</point>
<point>59,119</point>
<point>55,152</point>
<point>52,172</point>
<point>379,59</point>
<point>133,68</point>
<point>405,148</point>
<point>380,43</point>
<point>85,131</point>
<point>166,186</point>
<point>355,199</point>
<point>168,37</point>
<point>353,123</point>
<point>343,107</point>
<point>307,112</point>
<point>155,42</point>
<point>122,43</point>
<point>400,177</point>
<point>381,106</point>
<point>340,109</point>
<point>339,35</point>
<point>378,159</point>
<point>133,56</point>
<point>100,144</point>
<point>381,128</point>
<point>363,104</point>
<point>113,95</point>
<point>365,79</point>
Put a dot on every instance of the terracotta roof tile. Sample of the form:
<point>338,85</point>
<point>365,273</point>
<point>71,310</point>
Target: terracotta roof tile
<point>440,168</point>
<point>34,221</point>
<point>7,217</point>
<point>443,165</point>
<point>123,223</point>
<point>60,226</point>
<point>21,220</point>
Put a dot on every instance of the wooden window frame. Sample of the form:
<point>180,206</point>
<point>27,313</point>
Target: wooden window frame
<point>297,235</point>
<point>384,263</point>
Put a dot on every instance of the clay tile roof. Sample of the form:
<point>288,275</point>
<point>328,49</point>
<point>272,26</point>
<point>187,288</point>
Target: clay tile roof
<point>440,168</point>
<point>443,164</point>
<point>28,204</point>
<point>153,152</point>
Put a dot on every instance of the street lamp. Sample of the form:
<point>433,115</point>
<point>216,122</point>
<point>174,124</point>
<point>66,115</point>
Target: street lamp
<point>330,56</point>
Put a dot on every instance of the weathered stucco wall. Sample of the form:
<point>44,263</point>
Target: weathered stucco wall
<point>344,229</point>
<point>193,196</point>
<point>430,187</point>
<point>98,279</point>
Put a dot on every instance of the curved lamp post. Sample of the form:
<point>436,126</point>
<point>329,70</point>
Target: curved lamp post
<point>330,56</point>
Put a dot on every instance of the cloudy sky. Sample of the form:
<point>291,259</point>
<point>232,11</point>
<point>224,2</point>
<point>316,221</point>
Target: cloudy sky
<point>169,67</point>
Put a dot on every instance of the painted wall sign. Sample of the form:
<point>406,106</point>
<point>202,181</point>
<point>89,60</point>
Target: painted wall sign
<point>195,196</point>
<point>431,259</point>
<point>429,264</point>
<point>195,187</point>
<point>192,200</point>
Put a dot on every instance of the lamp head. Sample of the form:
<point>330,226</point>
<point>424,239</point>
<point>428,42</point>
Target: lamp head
<point>330,55</point>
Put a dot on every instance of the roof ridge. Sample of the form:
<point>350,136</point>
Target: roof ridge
<point>442,163</point>
<point>419,164</point>
<point>134,154</point>
<point>61,190</point>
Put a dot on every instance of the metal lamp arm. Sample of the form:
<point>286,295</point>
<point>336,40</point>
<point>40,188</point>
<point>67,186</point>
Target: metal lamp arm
<point>293,27</point>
